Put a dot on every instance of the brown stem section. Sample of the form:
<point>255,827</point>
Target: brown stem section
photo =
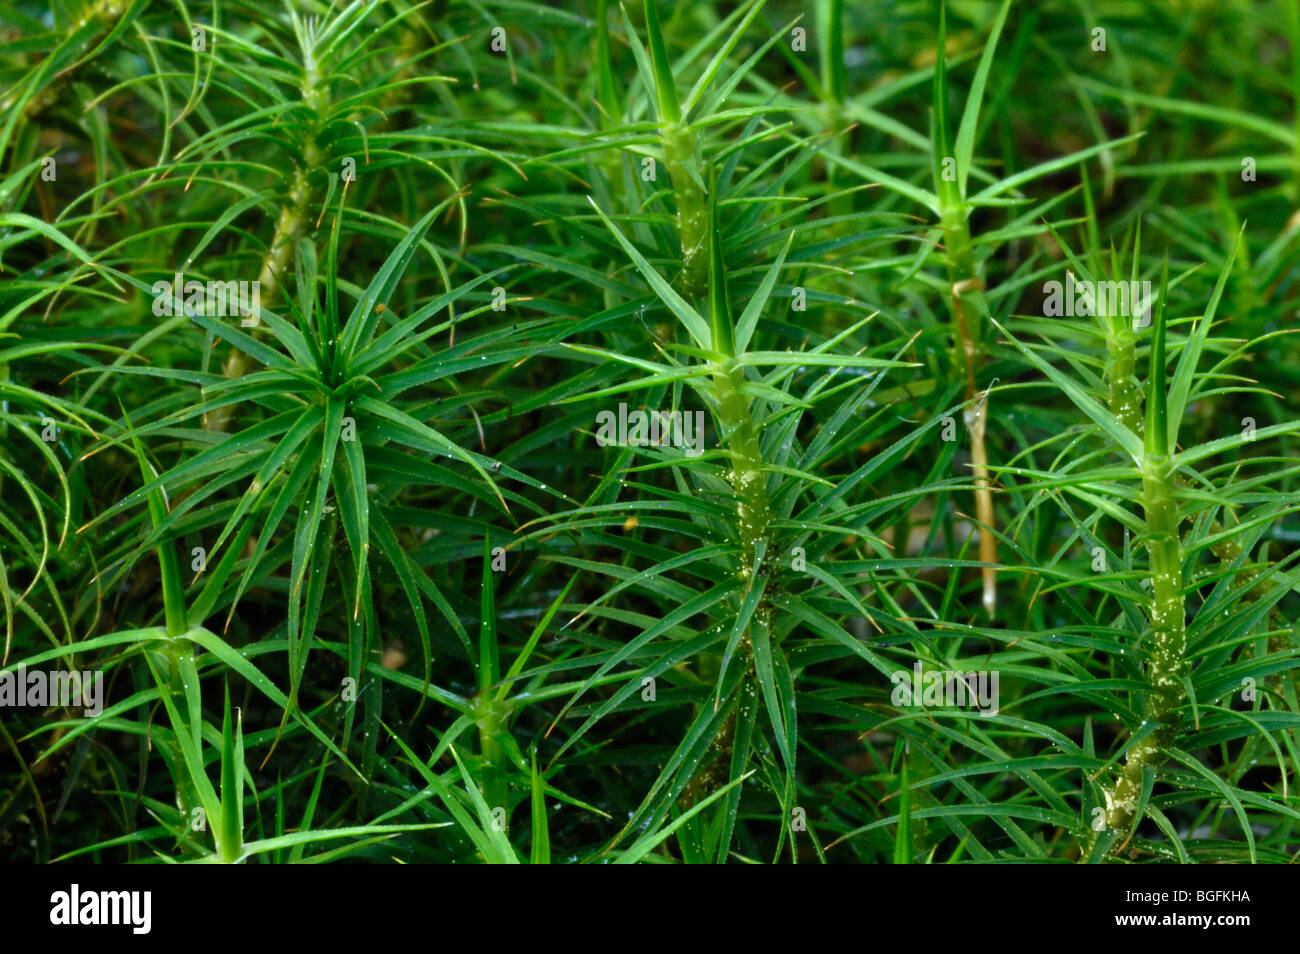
<point>975,415</point>
<point>289,228</point>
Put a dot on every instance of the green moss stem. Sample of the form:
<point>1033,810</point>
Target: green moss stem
<point>679,145</point>
<point>1121,375</point>
<point>746,477</point>
<point>1165,669</point>
<point>1167,664</point>
<point>290,226</point>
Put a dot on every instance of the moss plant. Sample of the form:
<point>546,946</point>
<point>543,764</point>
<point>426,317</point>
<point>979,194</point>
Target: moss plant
<point>681,157</point>
<point>661,439</point>
<point>1166,669</point>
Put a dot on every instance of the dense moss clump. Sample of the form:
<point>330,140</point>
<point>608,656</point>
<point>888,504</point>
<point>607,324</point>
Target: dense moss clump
<point>577,431</point>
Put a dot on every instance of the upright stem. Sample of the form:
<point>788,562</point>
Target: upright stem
<point>289,228</point>
<point>692,212</point>
<point>1166,552</point>
<point>966,285</point>
<point>679,144</point>
<point>1121,371</point>
<point>1293,34</point>
<point>734,411</point>
<point>754,517</point>
<point>746,475</point>
<point>753,513</point>
<point>491,725</point>
<point>830,47</point>
<point>1169,635</point>
<point>1168,624</point>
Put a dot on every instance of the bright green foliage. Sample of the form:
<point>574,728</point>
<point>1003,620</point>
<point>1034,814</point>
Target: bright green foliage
<point>638,398</point>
